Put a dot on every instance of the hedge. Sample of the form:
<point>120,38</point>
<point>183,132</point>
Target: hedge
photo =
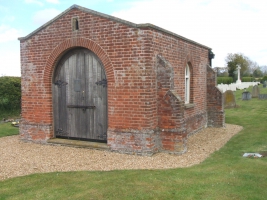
<point>10,93</point>
<point>247,79</point>
<point>225,80</point>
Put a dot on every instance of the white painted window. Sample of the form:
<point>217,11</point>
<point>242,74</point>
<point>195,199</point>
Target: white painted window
<point>187,84</point>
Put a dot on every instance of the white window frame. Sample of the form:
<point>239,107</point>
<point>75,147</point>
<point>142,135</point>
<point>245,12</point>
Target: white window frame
<point>187,84</point>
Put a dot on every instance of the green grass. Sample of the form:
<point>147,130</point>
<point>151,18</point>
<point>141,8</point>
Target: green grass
<point>6,129</point>
<point>224,175</point>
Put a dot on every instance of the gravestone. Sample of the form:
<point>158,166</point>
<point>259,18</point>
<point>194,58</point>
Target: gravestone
<point>246,95</point>
<point>229,99</point>
<point>255,91</point>
<point>264,84</point>
<point>263,96</point>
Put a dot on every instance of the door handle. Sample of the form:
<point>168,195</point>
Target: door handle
<point>80,106</point>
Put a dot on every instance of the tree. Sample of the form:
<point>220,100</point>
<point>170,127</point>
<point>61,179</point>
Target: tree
<point>221,71</point>
<point>10,93</point>
<point>247,66</point>
<point>264,70</point>
<point>253,66</point>
<point>232,60</point>
<point>257,73</point>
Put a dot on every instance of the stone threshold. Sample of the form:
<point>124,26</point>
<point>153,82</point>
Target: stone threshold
<point>78,143</point>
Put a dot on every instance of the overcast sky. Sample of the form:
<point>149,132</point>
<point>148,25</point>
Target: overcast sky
<point>227,26</point>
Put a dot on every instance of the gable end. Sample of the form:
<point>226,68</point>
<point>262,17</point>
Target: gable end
<point>127,23</point>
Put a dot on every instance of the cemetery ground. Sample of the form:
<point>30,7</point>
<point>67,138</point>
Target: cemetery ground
<point>7,130</point>
<point>225,174</point>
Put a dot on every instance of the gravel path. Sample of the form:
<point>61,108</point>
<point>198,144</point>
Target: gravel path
<point>18,158</point>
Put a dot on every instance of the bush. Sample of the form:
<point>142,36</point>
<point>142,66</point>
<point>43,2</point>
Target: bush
<point>247,79</point>
<point>10,93</point>
<point>263,79</point>
<point>224,80</point>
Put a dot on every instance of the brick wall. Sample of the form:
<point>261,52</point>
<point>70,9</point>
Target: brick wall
<point>215,107</point>
<point>145,71</point>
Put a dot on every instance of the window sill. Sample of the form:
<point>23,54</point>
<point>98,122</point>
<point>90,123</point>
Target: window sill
<point>189,105</point>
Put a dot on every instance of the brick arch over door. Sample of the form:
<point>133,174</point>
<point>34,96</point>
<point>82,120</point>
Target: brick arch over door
<point>60,50</point>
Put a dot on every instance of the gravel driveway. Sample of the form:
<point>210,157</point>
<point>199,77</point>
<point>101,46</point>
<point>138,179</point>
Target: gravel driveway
<point>18,158</point>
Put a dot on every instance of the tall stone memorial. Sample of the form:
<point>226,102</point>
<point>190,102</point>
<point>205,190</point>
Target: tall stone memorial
<point>238,75</point>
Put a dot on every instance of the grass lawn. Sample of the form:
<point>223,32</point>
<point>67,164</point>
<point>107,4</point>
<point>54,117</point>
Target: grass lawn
<point>6,129</point>
<point>224,175</point>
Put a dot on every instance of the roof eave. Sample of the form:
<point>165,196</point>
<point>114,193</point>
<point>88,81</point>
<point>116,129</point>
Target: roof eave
<point>152,26</point>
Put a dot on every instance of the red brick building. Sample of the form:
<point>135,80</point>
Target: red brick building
<point>137,87</point>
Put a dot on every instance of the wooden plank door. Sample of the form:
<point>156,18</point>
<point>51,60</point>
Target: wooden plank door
<point>80,97</point>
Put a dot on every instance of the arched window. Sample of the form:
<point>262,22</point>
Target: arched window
<point>187,84</point>
<point>75,23</point>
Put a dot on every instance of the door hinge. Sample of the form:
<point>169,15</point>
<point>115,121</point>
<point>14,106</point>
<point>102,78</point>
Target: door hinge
<point>103,82</point>
<point>60,83</point>
<point>104,136</point>
<point>60,131</point>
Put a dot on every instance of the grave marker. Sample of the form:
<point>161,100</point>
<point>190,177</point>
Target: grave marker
<point>229,99</point>
<point>262,96</point>
<point>264,84</point>
<point>246,95</point>
<point>255,91</point>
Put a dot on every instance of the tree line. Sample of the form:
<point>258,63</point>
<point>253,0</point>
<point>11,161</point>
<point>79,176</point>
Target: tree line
<point>249,68</point>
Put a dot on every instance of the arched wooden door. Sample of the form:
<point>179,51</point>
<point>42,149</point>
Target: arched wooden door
<point>80,97</point>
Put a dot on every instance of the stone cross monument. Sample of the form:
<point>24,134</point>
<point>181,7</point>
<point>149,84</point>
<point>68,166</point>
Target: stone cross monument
<point>238,75</point>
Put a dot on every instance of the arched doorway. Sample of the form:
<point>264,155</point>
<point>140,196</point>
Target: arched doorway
<point>80,97</point>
